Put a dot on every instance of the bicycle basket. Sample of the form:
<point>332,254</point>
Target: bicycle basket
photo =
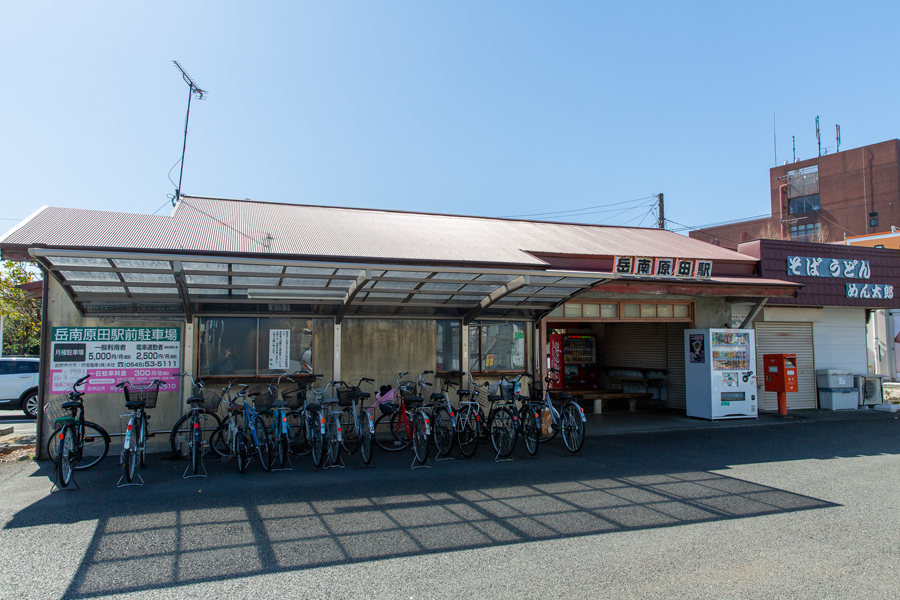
<point>142,392</point>
<point>211,400</point>
<point>408,389</point>
<point>295,398</point>
<point>347,395</point>
<point>262,397</point>
<point>389,408</point>
<point>506,390</point>
<point>54,410</point>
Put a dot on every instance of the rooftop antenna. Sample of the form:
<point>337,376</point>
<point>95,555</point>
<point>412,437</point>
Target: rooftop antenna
<point>194,91</point>
<point>794,147</point>
<point>818,136</point>
<point>837,129</point>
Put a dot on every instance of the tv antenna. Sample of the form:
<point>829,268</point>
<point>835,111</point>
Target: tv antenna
<point>818,136</point>
<point>837,129</point>
<point>194,91</point>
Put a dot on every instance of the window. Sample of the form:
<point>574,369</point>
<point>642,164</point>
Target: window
<point>449,343</point>
<point>873,222</point>
<point>497,346</point>
<point>803,182</point>
<point>255,346</point>
<point>804,233</point>
<point>804,204</point>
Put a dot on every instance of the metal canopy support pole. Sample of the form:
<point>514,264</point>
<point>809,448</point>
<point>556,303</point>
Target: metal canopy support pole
<point>187,361</point>
<point>464,351</point>
<point>336,369</point>
<point>751,316</point>
<point>498,294</point>
<point>542,349</point>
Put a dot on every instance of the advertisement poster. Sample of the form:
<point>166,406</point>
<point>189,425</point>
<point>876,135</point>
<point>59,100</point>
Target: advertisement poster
<point>698,352</point>
<point>112,354</point>
<point>555,359</point>
<point>279,349</point>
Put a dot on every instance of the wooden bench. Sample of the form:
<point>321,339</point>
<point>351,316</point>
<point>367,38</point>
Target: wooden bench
<point>598,396</point>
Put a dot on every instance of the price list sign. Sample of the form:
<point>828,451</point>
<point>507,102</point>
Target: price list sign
<point>111,354</point>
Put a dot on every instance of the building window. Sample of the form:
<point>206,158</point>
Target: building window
<point>497,346</point>
<point>448,346</point>
<point>804,204</point>
<point>873,222</point>
<point>255,346</point>
<point>803,182</point>
<point>804,233</point>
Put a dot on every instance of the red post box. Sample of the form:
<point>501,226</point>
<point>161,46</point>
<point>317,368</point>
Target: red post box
<point>780,376</point>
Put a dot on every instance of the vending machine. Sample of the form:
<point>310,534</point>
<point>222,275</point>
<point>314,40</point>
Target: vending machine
<point>576,358</point>
<point>720,381</point>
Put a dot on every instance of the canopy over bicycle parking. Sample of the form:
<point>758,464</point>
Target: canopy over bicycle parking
<point>214,256</point>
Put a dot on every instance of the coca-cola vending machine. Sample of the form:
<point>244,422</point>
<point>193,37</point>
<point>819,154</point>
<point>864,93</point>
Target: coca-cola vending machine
<point>576,358</point>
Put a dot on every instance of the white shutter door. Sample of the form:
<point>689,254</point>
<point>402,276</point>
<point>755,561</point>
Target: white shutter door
<point>788,338</point>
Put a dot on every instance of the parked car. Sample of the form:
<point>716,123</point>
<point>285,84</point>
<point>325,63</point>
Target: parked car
<point>19,384</point>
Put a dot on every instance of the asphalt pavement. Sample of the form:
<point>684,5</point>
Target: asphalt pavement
<point>793,508</point>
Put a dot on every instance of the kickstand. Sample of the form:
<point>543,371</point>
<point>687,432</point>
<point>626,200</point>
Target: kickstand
<point>188,468</point>
<point>64,489</point>
<point>119,484</point>
<point>339,465</point>
<point>424,465</point>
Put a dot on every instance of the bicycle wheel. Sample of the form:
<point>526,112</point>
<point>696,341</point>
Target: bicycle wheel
<point>263,445</point>
<point>390,432</point>
<point>95,446</point>
<point>365,437</point>
<point>349,432</point>
<point>196,442</point>
<point>316,439</point>
<point>549,429</point>
<point>420,437</point>
<point>443,431</point>
<point>299,443</point>
<point>572,426</point>
<point>65,455</point>
<point>333,439</point>
<point>503,431</point>
<point>531,431</point>
<point>130,454</point>
<point>142,441</point>
<point>240,451</point>
<point>282,449</point>
<point>179,437</point>
<point>467,430</point>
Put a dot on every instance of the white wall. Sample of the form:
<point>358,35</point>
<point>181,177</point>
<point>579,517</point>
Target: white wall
<point>840,339</point>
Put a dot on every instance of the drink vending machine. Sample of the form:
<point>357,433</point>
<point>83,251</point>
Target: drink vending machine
<point>719,377</point>
<point>576,358</point>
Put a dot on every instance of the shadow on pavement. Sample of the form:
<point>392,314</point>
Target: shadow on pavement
<point>173,532</point>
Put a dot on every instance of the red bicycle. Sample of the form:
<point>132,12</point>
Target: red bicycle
<point>404,421</point>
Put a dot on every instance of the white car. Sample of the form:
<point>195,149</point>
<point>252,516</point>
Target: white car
<point>19,384</point>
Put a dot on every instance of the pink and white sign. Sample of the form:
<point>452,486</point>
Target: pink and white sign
<point>112,354</point>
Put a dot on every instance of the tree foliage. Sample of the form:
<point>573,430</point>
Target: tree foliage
<point>21,314</point>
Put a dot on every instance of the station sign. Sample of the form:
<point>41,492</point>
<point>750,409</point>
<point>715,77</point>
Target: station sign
<point>679,268</point>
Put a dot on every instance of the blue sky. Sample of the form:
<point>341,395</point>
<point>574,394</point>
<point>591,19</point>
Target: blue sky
<point>482,108</point>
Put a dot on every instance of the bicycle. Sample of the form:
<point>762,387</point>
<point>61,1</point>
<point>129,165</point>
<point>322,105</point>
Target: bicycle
<point>405,423</point>
<point>282,431</point>
<point>223,440</point>
<point>330,428</point>
<point>138,399</point>
<point>503,421</point>
<point>187,435</point>
<point>469,416</point>
<point>356,422</point>
<point>529,420</point>
<point>569,419</point>
<point>257,442</point>
<point>76,444</point>
<point>443,417</point>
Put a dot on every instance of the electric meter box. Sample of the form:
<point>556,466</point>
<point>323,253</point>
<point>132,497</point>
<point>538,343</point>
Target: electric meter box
<point>780,372</point>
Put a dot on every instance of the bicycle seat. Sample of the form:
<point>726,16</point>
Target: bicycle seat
<point>135,404</point>
<point>462,392</point>
<point>414,400</point>
<point>437,396</point>
<point>565,397</point>
<point>279,404</point>
<point>193,400</point>
<point>330,400</point>
<point>314,406</point>
<point>73,404</point>
<point>363,395</point>
<point>234,408</point>
<point>495,397</point>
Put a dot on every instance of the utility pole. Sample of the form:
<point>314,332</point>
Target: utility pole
<point>661,222</point>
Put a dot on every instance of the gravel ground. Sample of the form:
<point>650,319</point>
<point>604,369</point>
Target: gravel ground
<point>806,510</point>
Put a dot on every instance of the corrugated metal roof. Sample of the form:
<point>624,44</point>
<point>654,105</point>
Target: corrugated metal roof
<point>248,227</point>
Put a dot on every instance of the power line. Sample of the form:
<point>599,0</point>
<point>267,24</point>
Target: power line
<point>720,223</point>
<point>579,210</point>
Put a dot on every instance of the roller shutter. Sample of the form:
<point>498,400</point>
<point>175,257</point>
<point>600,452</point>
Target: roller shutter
<point>636,345</point>
<point>788,338</point>
<point>675,379</point>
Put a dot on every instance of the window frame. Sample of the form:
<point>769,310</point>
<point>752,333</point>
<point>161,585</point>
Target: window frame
<point>481,370</point>
<point>620,312</point>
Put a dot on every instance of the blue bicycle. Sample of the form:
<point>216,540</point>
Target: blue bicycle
<point>252,436</point>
